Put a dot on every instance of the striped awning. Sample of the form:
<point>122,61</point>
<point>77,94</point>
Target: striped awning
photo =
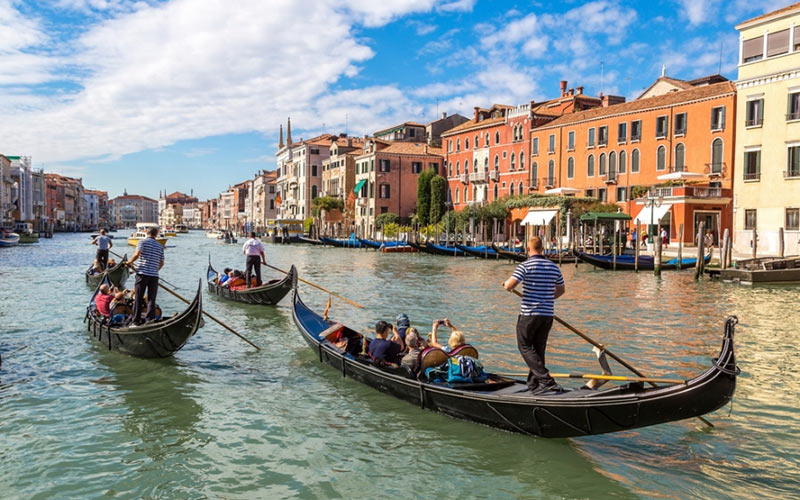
<point>359,185</point>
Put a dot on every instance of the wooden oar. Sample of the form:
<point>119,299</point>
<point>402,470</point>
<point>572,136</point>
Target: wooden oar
<point>616,378</point>
<point>319,287</point>
<point>609,353</point>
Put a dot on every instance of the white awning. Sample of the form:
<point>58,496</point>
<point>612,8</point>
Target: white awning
<point>658,213</point>
<point>562,190</point>
<point>539,217</point>
<point>678,176</point>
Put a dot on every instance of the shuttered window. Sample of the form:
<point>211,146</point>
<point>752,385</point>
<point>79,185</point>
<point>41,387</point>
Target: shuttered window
<point>753,49</point>
<point>777,43</point>
<point>797,38</point>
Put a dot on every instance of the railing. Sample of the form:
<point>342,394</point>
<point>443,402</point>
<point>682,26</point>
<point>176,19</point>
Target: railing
<point>715,169</point>
<point>479,177</point>
<point>533,185</point>
<point>612,177</point>
<point>680,131</point>
<point>791,174</point>
<point>549,182</point>
<point>494,175</point>
<point>793,116</point>
<point>464,178</point>
<point>662,192</point>
<point>704,192</point>
<point>752,176</point>
<point>677,168</point>
<point>754,123</point>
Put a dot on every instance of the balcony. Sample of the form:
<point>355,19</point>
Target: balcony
<point>361,202</point>
<point>791,174</point>
<point>494,175</point>
<point>611,178</point>
<point>464,178</point>
<point>757,122</point>
<point>752,176</point>
<point>677,168</point>
<point>477,177</point>
<point>533,185</point>
<point>793,116</point>
<point>715,169</point>
<point>549,182</point>
<point>689,192</point>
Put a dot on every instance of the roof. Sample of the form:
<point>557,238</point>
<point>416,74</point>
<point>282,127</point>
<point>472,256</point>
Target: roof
<point>397,127</point>
<point>472,124</point>
<point>672,98</point>
<point>408,148</point>
<point>134,197</point>
<point>774,13</point>
<point>320,140</point>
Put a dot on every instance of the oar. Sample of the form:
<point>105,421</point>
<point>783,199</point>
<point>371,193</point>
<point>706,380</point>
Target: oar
<point>616,378</point>
<point>609,353</point>
<point>319,287</point>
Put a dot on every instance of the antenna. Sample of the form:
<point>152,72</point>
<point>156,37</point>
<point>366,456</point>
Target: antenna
<point>719,70</point>
<point>346,117</point>
<point>437,107</point>
<point>602,76</point>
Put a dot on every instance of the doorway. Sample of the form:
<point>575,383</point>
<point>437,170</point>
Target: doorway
<point>710,220</point>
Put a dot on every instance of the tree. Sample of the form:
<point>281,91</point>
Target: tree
<point>424,196</point>
<point>438,199</point>
<point>387,218</point>
<point>326,203</point>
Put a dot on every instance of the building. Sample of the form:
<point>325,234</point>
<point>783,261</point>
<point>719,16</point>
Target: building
<point>21,174</point>
<point>408,131</point>
<point>92,201</point>
<point>386,179</point>
<point>6,193</point>
<point>674,147</point>
<point>263,199</point>
<point>39,191</point>
<point>435,129</point>
<point>130,209</point>
<point>170,207</point>
<point>210,215</point>
<point>65,206</point>
<point>767,180</point>
<point>226,218</point>
<point>492,155</point>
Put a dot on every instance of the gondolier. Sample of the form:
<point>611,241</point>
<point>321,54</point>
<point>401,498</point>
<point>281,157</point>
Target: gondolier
<point>151,256</point>
<point>542,283</point>
<point>253,249</point>
<point>104,244</point>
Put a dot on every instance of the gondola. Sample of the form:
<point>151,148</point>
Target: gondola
<point>309,241</point>
<point>159,339</point>
<point>118,275</point>
<point>268,294</point>
<point>377,245</point>
<point>348,243</point>
<point>506,404</point>
<point>626,262</point>
<point>483,252</point>
<point>433,248</point>
<point>567,257</point>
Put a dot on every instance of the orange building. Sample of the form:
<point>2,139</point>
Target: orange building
<point>675,143</point>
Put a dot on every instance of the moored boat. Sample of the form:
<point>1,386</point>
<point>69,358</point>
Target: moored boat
<point>8,239</point>
<point>482,252</point>
<point>267,294</point>
<point>567,257</point>
<point>627,262</point>
<point>341,243</point>
<point>507,404</point>
<point>181,228</point>
<point>433,248</point>
<point>309,241</point>
<point>158,339</point>
<point>377,245</point>
<point>141,233</point>
<point>118,275</point>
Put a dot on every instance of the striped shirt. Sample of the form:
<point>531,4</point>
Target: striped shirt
<point>150,257</point>
<point>539,277</point>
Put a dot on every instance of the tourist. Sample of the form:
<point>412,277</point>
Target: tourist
<point>634,238</point>
<point>708,241</point>
<point>253,249</point>
<point>104,244</point>
<point>383,349</point>
<point>403,324</point>
<point>111,263</point>
<point>542,283</point>
<point>415,346</point>
<point>120,297</point>
<point>225,276</point>
<point>664,237</point>
<point>102,300</point>
<point>151,254</point>
<point>457,338</point>
<point>95,269</point>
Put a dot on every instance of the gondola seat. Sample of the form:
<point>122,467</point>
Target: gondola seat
<point>332,333</point>
<point>465,350</point>
<point>432,356</point>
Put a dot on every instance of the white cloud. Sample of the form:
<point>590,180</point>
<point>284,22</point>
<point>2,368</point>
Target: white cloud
<point>421,28</point>
<point>456,6</point>
<point>698,11</point>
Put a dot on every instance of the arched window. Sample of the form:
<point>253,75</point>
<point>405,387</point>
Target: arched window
<point>485,193</point>
<point>570,167</point>
<point>661,158</point>
<point>635,161</point>
<point>486,140</point>
<point>601,168</point>
<point>496,162</point>
<point>511,189</point>
<point>450,145</point>
<point>474,193</point>
<point>458,144</point>
<point>522,160</point>
<point>485,163</point>
<point>534,173</point>
<point>450,169</point>
<point>590,166</point>
<point>497,137</point>
<point>466,143</point>
<point>475,142</point>
<point>612,163</point>
<point>475,165</point>
<point>551,173</point>
<point>458,168</point>
<point>520,187</point>
<point>495,190</point>
<point>716,156</point>
<point>458,195</point>
<point>680,152</point>
<point>622,162</point>
<point>513,162</point>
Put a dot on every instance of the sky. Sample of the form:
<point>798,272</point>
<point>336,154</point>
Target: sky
<point>188,95</point>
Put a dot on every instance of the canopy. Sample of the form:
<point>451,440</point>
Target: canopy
<point>562,191</point>
<point>601,216</point>
<point>678,176</point>
<point>658,213</point>
<point>359,185</point>
<point>539,217</point>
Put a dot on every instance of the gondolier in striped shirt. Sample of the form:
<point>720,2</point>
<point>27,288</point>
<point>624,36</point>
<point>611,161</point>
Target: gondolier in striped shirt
<point>542,283</point>
<point>254,251</point>
<point>150,255</point>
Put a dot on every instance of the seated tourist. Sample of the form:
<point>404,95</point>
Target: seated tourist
<point>96,268</point>
<point>415,346</point>
<point>103,300</point>
<point>403,324</point>
<point>225,276</point>
<point>456,339</point>
<point>383,349</point>
<point>119,298</point>
<point>111,263</point>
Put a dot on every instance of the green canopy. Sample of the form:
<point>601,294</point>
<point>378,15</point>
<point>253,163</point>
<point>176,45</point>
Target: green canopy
<point>359,185</point>
<point>601,216</point>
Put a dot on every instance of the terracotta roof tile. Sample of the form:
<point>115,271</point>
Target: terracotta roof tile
<point>472,124</point>
<point>784,10</point>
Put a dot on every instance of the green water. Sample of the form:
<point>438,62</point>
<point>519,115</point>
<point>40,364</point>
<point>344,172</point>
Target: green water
<point>221,420</point>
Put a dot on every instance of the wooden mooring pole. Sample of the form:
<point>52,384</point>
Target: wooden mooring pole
<point>636,247</point>
<point>754,243</point>
<point>723,256</point>
<point>701,240</point>
<point>781,247</point>
<point>680,244</point>
<point>658,246</point>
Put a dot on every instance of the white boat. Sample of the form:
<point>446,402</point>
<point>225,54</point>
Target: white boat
<point>141,233</point>
<point>9,239</point>
<point>181,228</point>
<point>214,234</point>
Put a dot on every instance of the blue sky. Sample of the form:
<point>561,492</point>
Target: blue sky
<point>148,95</point>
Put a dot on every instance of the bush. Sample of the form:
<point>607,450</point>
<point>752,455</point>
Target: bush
<point>387,218</point>
<point>326,203</point>
<point>424,196</point>
<point>438,199</point>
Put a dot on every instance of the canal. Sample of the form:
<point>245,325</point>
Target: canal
<point>221,420</point>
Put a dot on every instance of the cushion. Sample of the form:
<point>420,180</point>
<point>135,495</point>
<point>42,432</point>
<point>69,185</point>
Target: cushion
<point>465,350</point>
<point>432,356</point>
<point>331,334</point>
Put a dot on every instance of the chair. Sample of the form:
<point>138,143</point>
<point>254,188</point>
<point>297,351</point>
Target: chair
<point>465,350</point>
<point>432,356</point>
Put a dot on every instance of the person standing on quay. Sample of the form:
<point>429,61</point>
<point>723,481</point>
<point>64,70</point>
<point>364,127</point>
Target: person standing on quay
<point>151,254</point>
<point>253,249</point>
<point>542,283</point>
<point>104,244</point>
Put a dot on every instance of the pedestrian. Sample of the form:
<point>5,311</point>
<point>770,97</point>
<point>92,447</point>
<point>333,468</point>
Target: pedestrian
<point>542,283</point>
<point>150,253</point>
<point>104,244</point>
<point>634,238</point>
<point>708,241</point>
<point>664,237</point>
<point>253,249</point>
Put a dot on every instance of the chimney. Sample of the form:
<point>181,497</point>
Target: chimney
<point>349,142</point>
<point>563,87</point>
<point>476,113</point>
<point>280,138</point>
<point>571,92</point>
<point>444,115</point>
<point>580,90</point>
<point>288,131</point>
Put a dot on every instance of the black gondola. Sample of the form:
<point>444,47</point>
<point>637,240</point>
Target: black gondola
<point>482,252</point>
<point>445,251</point>
<point>566,256</point>
<point>159,339</point>
<point>626,262</point>
<point>341,243</point>
<point>118,275</point>
<point>310,241</point>
<point>268,294</point>
<point>506,404</point>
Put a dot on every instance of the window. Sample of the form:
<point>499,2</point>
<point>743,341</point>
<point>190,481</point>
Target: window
<point>520,187</point>
<point>313,170</point>
<point>535,146</point>
<point>474,166</point>
<point>636,130</point>
<point>458,169</point>
<point>601,167</point>
<point>466,143</point>
<point>497,137</point>
<point>622,133</point>
<point>458,195</point>
<point>475,142</point>
<point>486,140</point>
<point>570,168</point>
<point>458,144</point>
<point>505,154</point>
<point>680,124</point>
<point>602,195</point>
<point>778,43</point>
<point>434,166</point>
<point>272,204</point>
<point>495,191</point>
<point>534,173</point>
<point>384,191</point>
<point>793,113</point>
<point>386,209</point>
<point>496,162</point>
<point>718,118</point>
<point>384,165</point>
<point>551,143</point>
<point>793,166</point>
<point>416,167</point>
<point>450,169</point>
<point>522,160</point>
<point>635,161</point>
<point>792,219</point>
<point>662,127</point>
<point>753,49</point>
<point>372,165</point>
<point>590,166</point>
<point>750,219</point>
<point>602,136</point>
<point>551,173</point>
<point>571,140</point>
<point>590,138</point>
<point>716,156</point>
<point>485,164</point>
<point>622,162</point>
<point>612,165</point>
<point>661,158</point>
<point>450,146</point>
<point>590,193</point>
<point>313,192</point>
<point>680,150</point>
<point>511,189</point>
<point>622,194</point>
<point>371,189</point>
<point>752,165</point>
<point>755,113</point>
<point>512,164</point>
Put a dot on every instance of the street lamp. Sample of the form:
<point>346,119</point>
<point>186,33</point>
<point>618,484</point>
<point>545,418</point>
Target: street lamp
<point>652,202</point>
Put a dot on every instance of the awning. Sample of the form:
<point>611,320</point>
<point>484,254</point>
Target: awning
<point>679,176</point>
<point>539,217</point>
<point>359,185</point>
<point>604,216</point>
<point>658,213</point>
<point>562,191</point>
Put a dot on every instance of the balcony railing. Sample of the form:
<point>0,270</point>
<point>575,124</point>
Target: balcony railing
<point>791,174</point>
<point>793,116</point>
<point>494,175</point>
<point>752,176</point>
<point>611,178</point>
<point>663,192</point>
<point>704,192</point>
<point>464,178</point>
<point>677,168</point>
<point>549,182</point>
<point>756,122</point>
<point>533,185</point>
<point>479,177</point>
<point>715,169</point>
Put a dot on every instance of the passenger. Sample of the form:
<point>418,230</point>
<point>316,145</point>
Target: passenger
<point>111,263</point>
<point>96,267</point>
<point>415,346</point>
<point>120,297</point>
<point>402,325</point>
<point>456,339</point>
<point>103,300</point>
<point>237,279</point>
<point>382,349</point>
<point>225,276</point>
